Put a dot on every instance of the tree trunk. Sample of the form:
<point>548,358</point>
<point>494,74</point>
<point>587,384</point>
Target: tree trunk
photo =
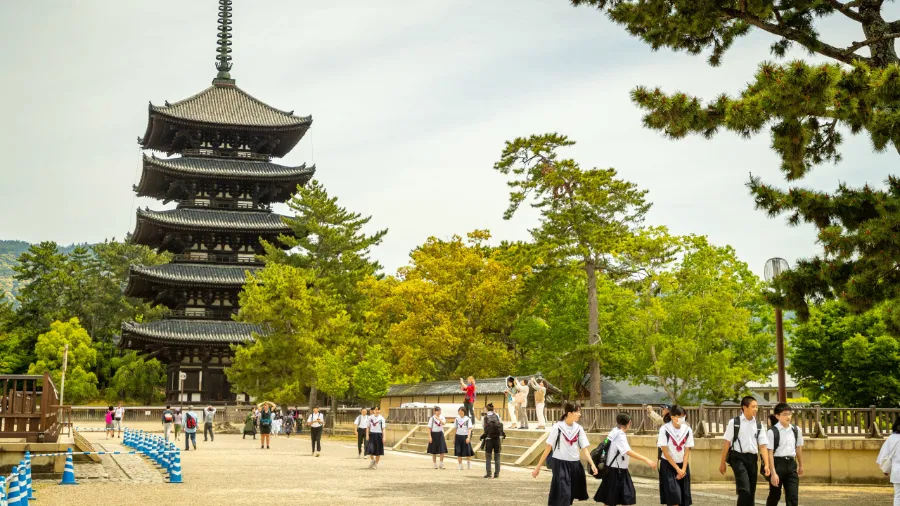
<point>333,416</point>
<point>593,331</point>
<point>874,25</point>
<point>312,396</point>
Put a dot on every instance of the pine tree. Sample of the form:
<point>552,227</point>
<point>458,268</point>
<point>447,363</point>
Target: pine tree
<point>806,107</point>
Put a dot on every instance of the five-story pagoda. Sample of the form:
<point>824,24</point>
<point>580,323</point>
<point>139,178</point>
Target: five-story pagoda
<point>224,183</point>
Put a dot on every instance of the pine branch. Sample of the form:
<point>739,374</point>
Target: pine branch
<point>856,45</point>
<point>845,9</point>
<point>796,36</point>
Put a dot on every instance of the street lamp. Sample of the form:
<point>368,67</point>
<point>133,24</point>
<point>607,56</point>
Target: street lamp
<point>774,268</point>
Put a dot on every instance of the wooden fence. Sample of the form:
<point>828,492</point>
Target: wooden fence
<point>30,409</point>
<point>711,421</point>
<point>231,414</point>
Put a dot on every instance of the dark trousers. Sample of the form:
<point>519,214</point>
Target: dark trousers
<point>188,437</point>
<point>360,439</point>
<point>492,446</point>
<point>316,438</point>
<point>746,469</point>
<point>208,432</point>
<point>469,411</point>
<point>786,469</point>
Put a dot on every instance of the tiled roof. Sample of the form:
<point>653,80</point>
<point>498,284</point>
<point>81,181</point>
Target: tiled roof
<point>229,105</point>
<point>229,168</point>
<point>215,219</point>
<point>772,382</point>
<point>483,386</point>
<point>181,331</point>
<point>195,274</point>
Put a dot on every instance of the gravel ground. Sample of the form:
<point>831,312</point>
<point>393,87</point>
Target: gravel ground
<point>232,470</point>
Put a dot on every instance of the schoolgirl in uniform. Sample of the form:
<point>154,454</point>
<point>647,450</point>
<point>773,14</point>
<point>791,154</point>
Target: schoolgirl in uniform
<point>569,444</point>
<point>361,422</point>
<point>375,436</point>
<point>676,440</point>
<point>437,443</point>
<point>462,444</point>
<point>617,487</point>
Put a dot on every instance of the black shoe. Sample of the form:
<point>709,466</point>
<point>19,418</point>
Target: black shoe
<point>496,476</point>
<point>488,475</point>
<point>267,447</point>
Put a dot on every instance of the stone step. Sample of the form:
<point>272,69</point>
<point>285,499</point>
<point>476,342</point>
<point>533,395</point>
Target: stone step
<point>413,448</point>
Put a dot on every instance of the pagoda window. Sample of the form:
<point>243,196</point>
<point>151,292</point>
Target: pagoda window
<point>246,258</point>
<point>195,255</point>
<point>195,311</point>
<point>245,204</point>
<point>201,202</point>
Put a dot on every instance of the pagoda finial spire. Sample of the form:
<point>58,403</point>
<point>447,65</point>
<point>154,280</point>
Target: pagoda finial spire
<point>223,63</point>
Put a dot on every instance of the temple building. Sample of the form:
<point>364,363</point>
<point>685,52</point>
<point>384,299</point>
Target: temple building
<point>216,150</point>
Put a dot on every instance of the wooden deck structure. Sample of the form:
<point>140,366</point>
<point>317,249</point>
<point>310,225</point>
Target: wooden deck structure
<point>30,409</point>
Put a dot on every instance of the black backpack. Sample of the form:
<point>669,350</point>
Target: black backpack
<point>736,421</point>
<point>776,439</point>
<point>599,456</point>
<point>492,426</point>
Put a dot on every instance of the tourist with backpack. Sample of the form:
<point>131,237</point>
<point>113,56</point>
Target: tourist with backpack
<point>469,402</point>
<point>288,424</point>
<point>462,444</point>
<point>617,487</point>
<point>190,428</point>
<point>110,430</point>
<point>744,442</point>
<point>375,436</point>
<point>492,435</point>
<point>569,443</point>
<point>265,424</point>
<point>786,457</point>
<point>437,443</point>
<point>316,423</point>
<point>889,459</point>
<point>179,423</point>
<point>675,441</point>
<point>168,421</point>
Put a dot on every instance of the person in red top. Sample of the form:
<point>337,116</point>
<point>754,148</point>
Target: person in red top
<point>470,396</point>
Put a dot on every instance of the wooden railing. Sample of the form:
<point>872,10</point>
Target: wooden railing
<point>153,414</point>
<point>29,408</point>
<point>207,314</point>
<point>219,259</point>
<point>710,421</point>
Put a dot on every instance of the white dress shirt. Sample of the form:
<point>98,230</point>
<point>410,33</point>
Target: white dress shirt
<point>746,443</point>
<point>787,447</point>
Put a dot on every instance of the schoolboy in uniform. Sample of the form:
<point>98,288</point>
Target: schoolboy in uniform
<point>742,450</point>
<point>786,461</point>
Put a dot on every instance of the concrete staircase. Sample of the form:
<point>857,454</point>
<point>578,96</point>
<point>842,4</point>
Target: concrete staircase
<point>521,447</point>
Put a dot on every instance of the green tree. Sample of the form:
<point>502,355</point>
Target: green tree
<point>846,359</point>
<point>806,108</point>
<point>138,379</point>
<point>699,339</point>
<point>589,218</point>
<point>333,373</point>
<point>81,383</point>
<point>300,322</point>
<point>372,376</point>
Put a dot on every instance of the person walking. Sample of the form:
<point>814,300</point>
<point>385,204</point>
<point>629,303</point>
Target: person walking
<point>492,435</point>
<point>462,444</point>
<point>118,417</point>
<point>889,459</point>
<point>209,415</point>
<point>265,424</point>
<point>744,443</point>
<point>522,403</point>
<point>250,425</point>
<point>179,423</point>
<point>510,392</point>
<point>617,487</point>
<point>276,424</point>
<point>469,402</point>
<point>375,437</point>
<point>190,428</point>
<point>540,392</point>
<point>437,443</point>
<point>288,424</point>
<point>786,457</point>
<point>675,440</point>
<point>569,444</point>
<point>110,430</point>
<point>361,422</point>
<point>168,421</point>
<point>316,422</point>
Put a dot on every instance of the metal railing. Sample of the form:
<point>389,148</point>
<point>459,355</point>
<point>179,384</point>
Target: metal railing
<point>710,421</point>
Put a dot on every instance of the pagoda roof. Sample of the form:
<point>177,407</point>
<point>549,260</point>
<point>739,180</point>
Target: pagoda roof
<point>215,168</point>
<point>229,105</point>
<point>187,332</point>
<point>194,274</point>
<point>205,219</point>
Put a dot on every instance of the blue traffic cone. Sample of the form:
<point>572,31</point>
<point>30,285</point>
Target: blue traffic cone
<point>126,436</point>
<point>14,499</point>
<point>28,483</point>
<point>161,448</point>
<point>69,473</point>
<point>23,488</point>
<point>175,474</point>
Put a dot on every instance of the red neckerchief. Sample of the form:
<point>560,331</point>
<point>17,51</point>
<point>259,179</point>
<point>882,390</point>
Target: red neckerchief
<point>574,438</point>
<point>436,421</point>
<point>679,447</point>
<point>374,423</point>
<point>461,425</point>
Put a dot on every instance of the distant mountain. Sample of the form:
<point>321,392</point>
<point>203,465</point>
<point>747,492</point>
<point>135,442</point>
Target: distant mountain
<point>9,255</point>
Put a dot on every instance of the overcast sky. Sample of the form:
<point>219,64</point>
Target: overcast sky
<point>411,102</point>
